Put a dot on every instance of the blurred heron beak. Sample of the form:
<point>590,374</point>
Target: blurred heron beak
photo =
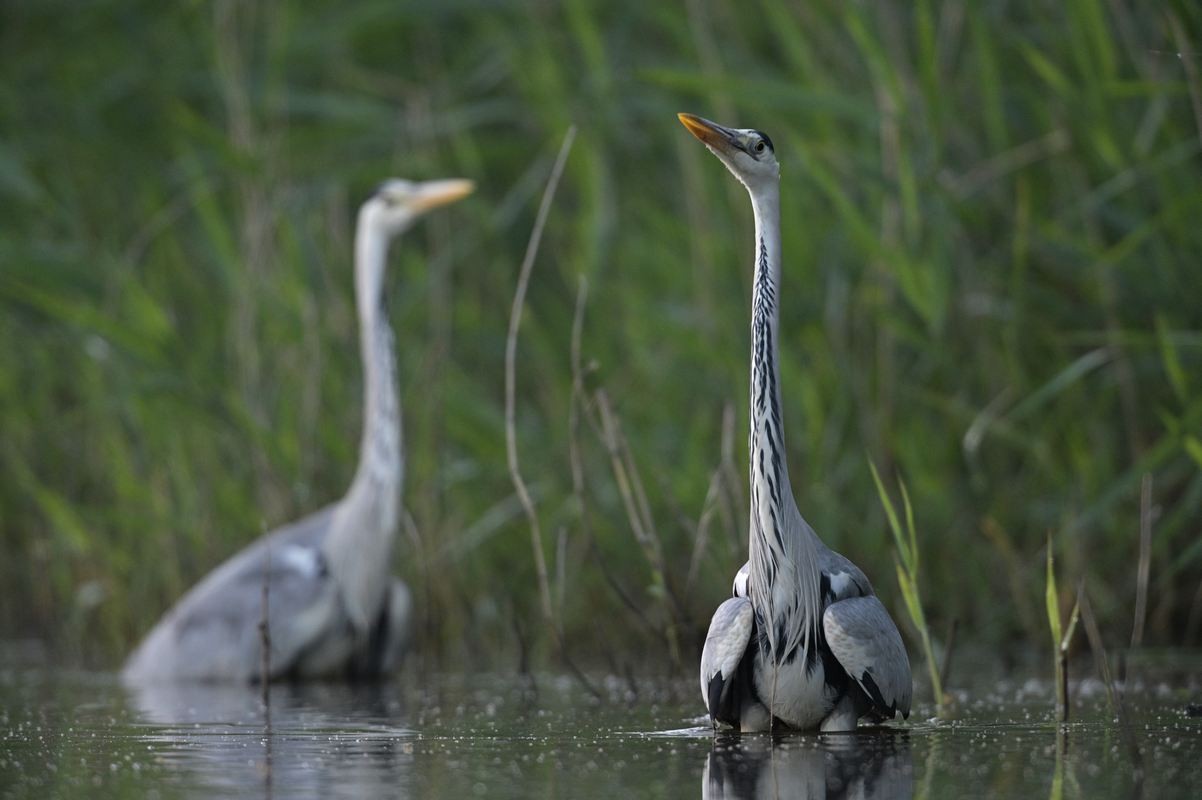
<point>433,194</point>
<point>711,134</point>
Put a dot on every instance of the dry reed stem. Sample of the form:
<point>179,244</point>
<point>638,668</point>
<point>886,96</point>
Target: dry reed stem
<point>735,505</point>
<point>511,446</point>
<point>409,526</point>
<point>265,630</point>
<point>609,437</point>
<point>577,405</point>
<point>1114,695</point>
<point>634,500</point>
<point>561,557</point>
<point>265,672</point>
<point>717,500</point>
<point>1142,572</point>
<point>1095,643</point>
<point>701,538</point>
<point>640,496</point>
<point>515,321</point>
<point>1145,559</point>
<point>574,403</point>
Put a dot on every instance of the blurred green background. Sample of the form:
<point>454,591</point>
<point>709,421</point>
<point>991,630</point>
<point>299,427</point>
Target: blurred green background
<point>993,290</point>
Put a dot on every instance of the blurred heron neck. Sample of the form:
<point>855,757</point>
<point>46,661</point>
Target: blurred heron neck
<point>380,448</point>
<point>359,546</point>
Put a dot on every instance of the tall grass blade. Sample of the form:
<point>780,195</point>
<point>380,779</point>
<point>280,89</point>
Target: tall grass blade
<point>906,542</point>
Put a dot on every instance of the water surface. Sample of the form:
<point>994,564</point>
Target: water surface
<point>73,735</point>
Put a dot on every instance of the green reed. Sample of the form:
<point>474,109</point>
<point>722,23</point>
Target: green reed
<point>990,284</point>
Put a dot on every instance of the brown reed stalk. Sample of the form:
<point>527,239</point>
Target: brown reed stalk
<point>1114,694</point>
<point>634,500</point>
<point>511,339</point>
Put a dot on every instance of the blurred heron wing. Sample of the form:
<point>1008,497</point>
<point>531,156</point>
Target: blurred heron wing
<point>213,632</point>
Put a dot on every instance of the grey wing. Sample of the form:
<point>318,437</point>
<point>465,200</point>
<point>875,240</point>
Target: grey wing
<point>213,633</point>
<point>843,578</point>
<point>866,643</point>
<point>725,644</point>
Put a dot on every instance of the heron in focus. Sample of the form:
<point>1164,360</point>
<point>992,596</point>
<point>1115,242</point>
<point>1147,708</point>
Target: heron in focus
<point>804,643</point>
<point>333,610</point>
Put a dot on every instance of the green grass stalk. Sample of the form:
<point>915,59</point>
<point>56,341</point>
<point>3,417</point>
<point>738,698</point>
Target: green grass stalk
<point>906,557</point>
<point>1061,637</point>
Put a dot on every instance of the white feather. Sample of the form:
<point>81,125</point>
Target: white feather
<point>304,560</point>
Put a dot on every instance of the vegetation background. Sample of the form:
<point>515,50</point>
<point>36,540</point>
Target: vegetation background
<point>993,290</point>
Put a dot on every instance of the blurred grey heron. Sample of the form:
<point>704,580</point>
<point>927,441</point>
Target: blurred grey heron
<point>804,642</point>
<point>334,610</point>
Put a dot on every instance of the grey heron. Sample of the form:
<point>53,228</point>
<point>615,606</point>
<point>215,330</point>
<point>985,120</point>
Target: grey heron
<point>804,642</point>
<point>333,608</point>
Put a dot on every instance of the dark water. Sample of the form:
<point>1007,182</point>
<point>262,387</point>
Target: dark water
<point>70,735</point>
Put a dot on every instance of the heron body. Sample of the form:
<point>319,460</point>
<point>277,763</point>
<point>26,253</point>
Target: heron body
<point>804,642</point>
<point>323,584</point>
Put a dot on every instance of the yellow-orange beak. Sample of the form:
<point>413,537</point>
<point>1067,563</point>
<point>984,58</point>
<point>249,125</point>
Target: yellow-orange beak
<point>711,133</point>
<point>433,194</point>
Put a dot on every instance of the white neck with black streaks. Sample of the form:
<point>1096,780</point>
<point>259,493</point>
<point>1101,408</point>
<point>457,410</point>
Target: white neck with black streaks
<point>783,549</point>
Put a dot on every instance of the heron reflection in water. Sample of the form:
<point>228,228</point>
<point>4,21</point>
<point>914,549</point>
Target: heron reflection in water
<point>313,739</point>
<point>872,766</point>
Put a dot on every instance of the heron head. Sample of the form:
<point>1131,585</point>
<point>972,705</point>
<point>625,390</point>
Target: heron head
<point>746,152</point>
<point>397,203</point>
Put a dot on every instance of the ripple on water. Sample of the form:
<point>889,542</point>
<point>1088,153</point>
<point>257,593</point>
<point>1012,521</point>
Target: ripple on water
<point>461,736</point>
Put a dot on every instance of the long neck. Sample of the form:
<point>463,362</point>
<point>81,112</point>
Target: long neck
<point>783,549</point>
<point>359,546</point>
<point>767,437</point>
<point>769,471</point>
<point>380,449</point>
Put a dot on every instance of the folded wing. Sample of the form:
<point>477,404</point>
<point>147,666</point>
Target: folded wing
<point>725,644</point>
<point>866,643</point>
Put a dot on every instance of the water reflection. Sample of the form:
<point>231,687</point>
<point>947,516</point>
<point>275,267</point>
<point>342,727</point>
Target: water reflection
<point>461,736</point>
<point>310,741</point>
<point>874,764</point>
<point>299,704</point>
